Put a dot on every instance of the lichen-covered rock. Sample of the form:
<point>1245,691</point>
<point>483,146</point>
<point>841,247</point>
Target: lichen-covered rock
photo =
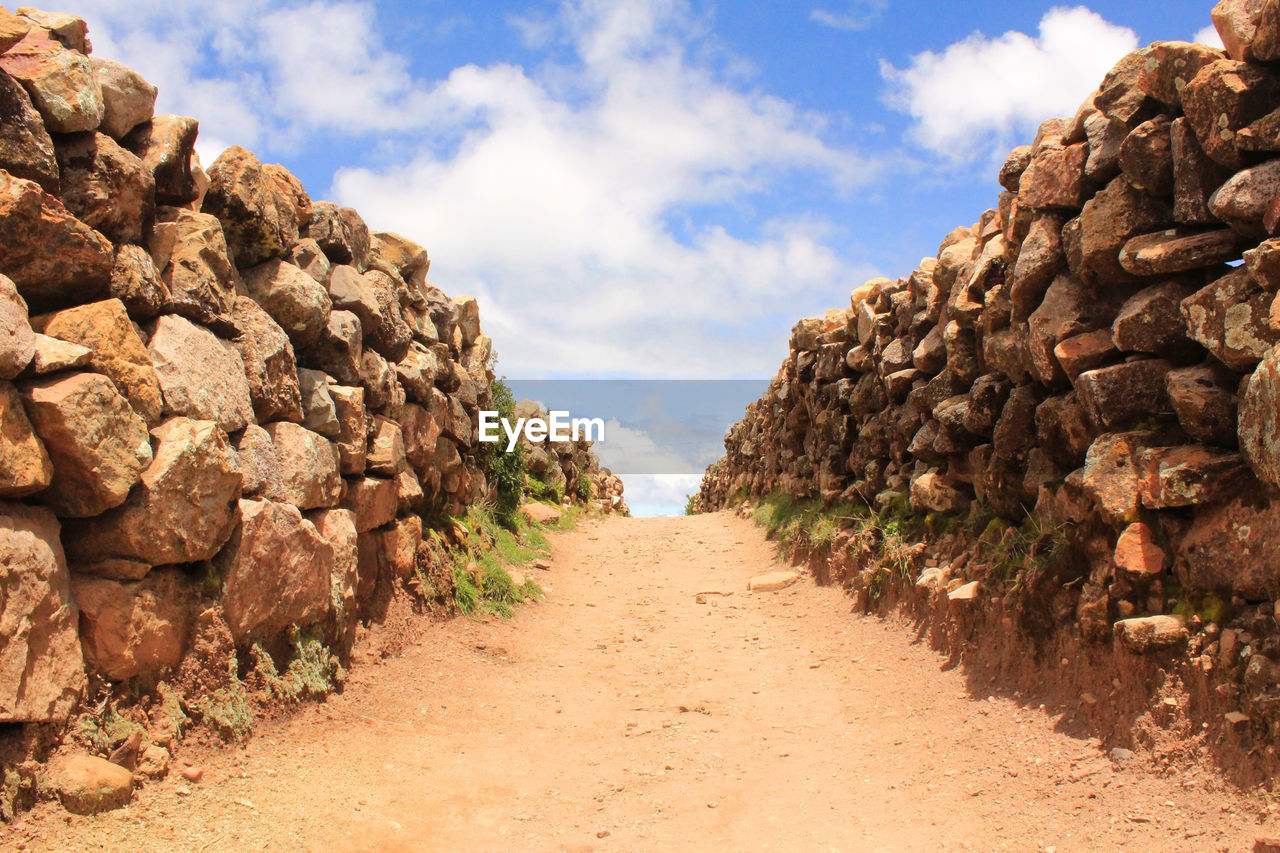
<point>167,147</point>
<point>52,257</point>
<point>201,375</point>
<point>128,100</point>
<point>98,444</point>
<point>264,209</point>
<point>1230,318</point>
<point>117,351</point>
<point>276,572</point>
<point>182,510</point>
<point>40,661</point>
<point>308,466</point>
<point>1223,98</point>
<point>26,150</point>
<point>269,363</point>
<point>1190,475</point>
<point>135,628</point>
<point>87,784</point>
<point>1151,321</point>
<point>190,252</point>
<point>60,81</point>
<point>106,187</point>
<point>294,299</point>
<point>1113,474</point>
<point>25,467</point>
<point>1259,428</point>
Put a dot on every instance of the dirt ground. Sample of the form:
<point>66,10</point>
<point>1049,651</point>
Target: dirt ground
<point>622,714</point>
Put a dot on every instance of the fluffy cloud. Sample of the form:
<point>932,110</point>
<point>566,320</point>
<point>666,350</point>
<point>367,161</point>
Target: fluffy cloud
<point>1208,35</point>
<point>978,96</point>
<point>660,494</point>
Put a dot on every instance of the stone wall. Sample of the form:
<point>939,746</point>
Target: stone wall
<point>226,409</point>
<point>1098,351</point>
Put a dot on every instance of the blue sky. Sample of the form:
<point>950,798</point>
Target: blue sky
<point>639,188</point>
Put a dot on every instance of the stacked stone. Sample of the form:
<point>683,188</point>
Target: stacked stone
<point>201,376</point>
<point>564,464</point>
<point>1100,347</point>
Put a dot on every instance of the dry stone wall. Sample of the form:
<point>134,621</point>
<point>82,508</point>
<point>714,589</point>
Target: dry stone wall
<point>226,408</point>
<point>1099,350</point>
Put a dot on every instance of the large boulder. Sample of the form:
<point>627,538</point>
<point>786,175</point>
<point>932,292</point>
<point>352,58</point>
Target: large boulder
<point>1247,29</point>
<point>341,233</point>
<point>132,629</point>
<point>25,467</point>
<point>182,511</point>
<point>117,351</point>
<point>106,187</point>
<point>1204,398</point>
<point>264,209</point>
<point>1224,98</point>
<point>40,659</point>
<point>60,81</point>
<point>275,572</point>
<point>87,784</point>
<point>26,150</point>
<point>136,282</point>
<point>98,444</point>
<point>53,258</point>
<point>269,363</point>
<point>308,466</point>
<point>1230,548</point>
<point>1229,318</point>
<point>190,252</point>
<point>127,99</point>
<point>294,299</point>
<point>201,375</point>
<point>1260,419</point>
<point>17,339</point>
<point>167,147</point>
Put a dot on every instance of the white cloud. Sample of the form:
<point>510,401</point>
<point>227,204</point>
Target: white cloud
<point>659,494</point>
<point>1208,35</point>
<point>860,15</point>
<point>978,96</point>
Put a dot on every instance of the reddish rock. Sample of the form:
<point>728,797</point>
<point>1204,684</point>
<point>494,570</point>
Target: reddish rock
<point>1170,65</point>
<point>1014,166</point>
<point>136,282</point>
<point>167,147</point>
<point>386,455</point>
<point>1138,553</point>
<point>1230,318</point>
<point>1204,398</point>
<point>1123,393</point>
<point>1111,218</point>
<point>264,209</point>
<point>13,29</point>
<point>258,464</point>
<point>1263,263</point>
<point>1195,176</point>
<point>132,629</point>
<point>1237,23</point>
<point>17,340</point>
<point>1191,475</point>
<point>417,371</point>
<point>1223,98</point>
<point>391,337</point>
<point>1243,200</point>
<point>40,660</point>
<point>182,510</point>
<point>931,492</point>
<point>373,500</point>
<point>117,351</point>
<point>68,30</point>
<point>294,299</point>
<point>269,363</point>
<point>310,258</point>
<point>128,100</point>
<point>1259,426</point>
<point>1055,177</point>
<point>1105,136</point>
<point>308,466</point>
<point>381,388</point>
<point>60,81</point>
<point>97,443</point>
<point>352,418</point>
<point>1147,634</point>
<point>25,467</point>
<point>341,233</point>
<point>201,375</point>
<point>1064,313</point>
<point>1230,548</point>
<point>189,251</point>
<point>339,350</point>
<point>1120,97</point>
<point>26,150</point>
<point>1113,474</point>
<point>106,187</point>
<point>1176,250</point>
<point>337,527</point>
<point>1146,157</point>
<point>1086,351</point>
<point>351,291</point>
<point>275,570</point>
<point>88,785</point>
<point>318,411</point>
<point>1151,321</point>
<point>52,257</point>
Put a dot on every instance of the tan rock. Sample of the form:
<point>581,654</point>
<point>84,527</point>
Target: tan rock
<point>68,30</point>
<point>60,81</point>
<point>319,414</point>
<point>88,785</point>
<point>338,528</point>
<point>17,340</point>
<point>294,299</point>
<point>386,455</point>
<point>201,375</point>
<point>13,29</point>
<point>1259,422</point>
<point>341,233</point>
<point>373,500</point>
<point>191,254</point>
<point>1113,474</point>
<point>25,467</point>
<point>26,150</point>
<point>772,581</point>
<point>259,465</point>
<point>1148,634</point>
<point>269,362</point>
<point>136,282</point>
<point>308,466</point>
<point>539,513</point>
<point>167,146</point>
<point>352,419</point>
<point>106,187</point>
<point>263,209</point>
<point>128,99</point>
<point>54,356</point>
<point>351,291</point>
<point>132,629</point>
<point>339,349</point>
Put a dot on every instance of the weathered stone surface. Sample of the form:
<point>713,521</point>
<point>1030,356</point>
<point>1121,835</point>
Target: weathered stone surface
<point>87,784</point>
<point>417,371</point>
<point>341,233</point>
<point>1123,393</point>
<point>386,455</point>
<point>372,499</point>
<point>1014,165</point>
<point>351,291</point>
<point>294,299</point>
<point>263,208</point>
<point>68,30</point>
<point>391,337</point>
<point>17,340</point>
<point>106,187</point>
<point>275,570</point>
<point>54,356</point>
<point>191,254</point>
<point>132,629</point>
<point>1223,98</point>
<point>117,351</point>
<point>26,151</point>
<point>182,510</point>
<point>378,380</point>
<point>128,100</point>
<point>13,29</point>
<point>1190,475</point>
<point>167,146</point>
<point>1055,176</point>
<point>269,363</point>
<point>1230,548</point>
<point>97,443</point>
<point>201,375</point>
<point>1086,351</point>
<point>1195,176</point>
<point>540,513</point>
<point>1174,251</point>
<point>1138,553</point>
<point>1259,427</point>
<point>1120,97</point>
<point>339,348</point>
<point>1170,65</point>
<point>468,322</point>
<point>318,411</point>
<point>1243,200</point>
<point>337,527</point>
<point>1230,319</point>
<point>772,581</point>
<point>1147,634</point>
<point>52,257</point>
<point>258,464</point>
<point>307,256</point>
<point>136,282</point>
<point>60,81</point>
<point>40,661</point>
<point>1065,312</point>
<point>1263,263</point>
<point>1105,136</point>
<point>308,466</point>
<point>1204,398</point>
<point>1151,321</point>
<point>1146,157</point>
<point>932,492</point>
<point>1113,474</point>
<point>408,258</point>
<point>1040,258</point>
<point>387,555</point>
<point>25,467</point>
<point>1237,24</point>
<point>1117,213</point>
<point>348,404</point>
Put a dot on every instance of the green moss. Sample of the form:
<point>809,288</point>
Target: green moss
<point>313,671</point>
<point>226,710</point>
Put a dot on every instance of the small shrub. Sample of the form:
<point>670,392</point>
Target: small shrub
<point>504,471</point>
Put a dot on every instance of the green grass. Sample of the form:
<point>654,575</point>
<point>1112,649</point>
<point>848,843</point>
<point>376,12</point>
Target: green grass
<point>492,547</point>
<point>806,523</point>
<point>504,471</point>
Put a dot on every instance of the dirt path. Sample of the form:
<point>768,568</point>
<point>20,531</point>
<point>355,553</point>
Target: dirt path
<point>621,714</point>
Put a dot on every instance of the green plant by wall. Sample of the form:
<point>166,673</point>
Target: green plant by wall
<point>504,471</point>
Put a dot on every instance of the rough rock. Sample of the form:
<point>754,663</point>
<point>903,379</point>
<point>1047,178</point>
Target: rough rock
<point>88,785</point>
<point>26,150</point>
<point>1177,251</point>
<point>1113,474</point>
<point>1204,398</point>
<point>373,500</point>
<point>1243,200</point>
<point>391,337</point>
<point>276,572</point>
<point>772,581</point>
<point>539,513</point>
<point>167,147</point>
<point>1151,321</point>
<point>341,233</point>
<point>386,456</point>
<point>191,254</point>
<point>17,340</point>
<point>201,375</point>
<point>136,282</point>
<point>307,256</point>
<point>264,209</point>
<point>269,363</point>
<point>61,82</point>
<point>68,30</point>
<point>1230,548</point>
<point>1111,218</point>
<point>13,29</point>
<point>1086,351</point>
<point>1224,98</point>
<point>1259,425</point>
<point>1146,157</point>
<point>182,510</point>
<point>351,291</point>
<point>258,464</point>
<point>1138,553</point>
<point>319,414</point>
<point>25,467</point>
<point>117,351</point>
<point>106,187</point>
<point>128,100</point>
<point>1230,319</point>
<point>1195,176</point>
<point>1190,475</point>
<point>339,349</point>
<point>294,299</point>
<point>337,527</point>
<point>1146,634</point>
<point>1237,24</point>
<point>97,443</point>
<point>132,629</point>
<point>40,660</point>
<point>349,409</point>
<point>308,466</point>
<point>52,257</point>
